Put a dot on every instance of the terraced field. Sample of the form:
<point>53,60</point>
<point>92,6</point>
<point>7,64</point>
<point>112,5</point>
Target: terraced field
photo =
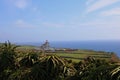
<point>77,55</point>
<point>81,54</point>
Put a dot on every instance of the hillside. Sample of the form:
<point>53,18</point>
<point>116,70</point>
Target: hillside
<point>79,54</point>
<point>27,63</point>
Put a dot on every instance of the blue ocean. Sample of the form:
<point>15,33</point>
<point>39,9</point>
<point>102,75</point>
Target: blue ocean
<point>107,46</point>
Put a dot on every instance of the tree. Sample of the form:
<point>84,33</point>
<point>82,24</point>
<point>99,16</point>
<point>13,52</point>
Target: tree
<point>7,59</point>
<point>49,67</point>
<point>93,69</point>
<point>29,60</point>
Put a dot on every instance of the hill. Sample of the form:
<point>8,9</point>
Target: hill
<point>78,54</point>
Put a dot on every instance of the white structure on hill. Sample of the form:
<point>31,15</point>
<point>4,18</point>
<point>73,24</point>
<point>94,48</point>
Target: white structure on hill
<point>46,46</point>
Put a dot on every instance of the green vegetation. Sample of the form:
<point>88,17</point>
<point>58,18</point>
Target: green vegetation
<point>81,54</point>
<point>29,64</point>
<point>26,47</point>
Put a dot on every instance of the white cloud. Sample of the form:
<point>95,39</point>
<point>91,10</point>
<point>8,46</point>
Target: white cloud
<point>89,2</point>
<point>100,4</point>
<point>112,12</point>
<point>48,24</point>
<point>21,23</point>
<point>20,3</point>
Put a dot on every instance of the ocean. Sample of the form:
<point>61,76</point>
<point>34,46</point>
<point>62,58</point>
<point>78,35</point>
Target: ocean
<point>107,46</point>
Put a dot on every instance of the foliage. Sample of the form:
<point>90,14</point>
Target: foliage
<point>17,64</point>
<point>29,60</point>
<point>20,74</point>
<point>115,73</point>
<point>7,59</point>
<point>92,69</point>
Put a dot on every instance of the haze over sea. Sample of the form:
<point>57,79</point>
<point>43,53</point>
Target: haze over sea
<point>107,46</point>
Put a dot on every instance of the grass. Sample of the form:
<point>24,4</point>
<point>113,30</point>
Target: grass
<point>26,47</point>
<point>81,54</point>
<point>78,55</point>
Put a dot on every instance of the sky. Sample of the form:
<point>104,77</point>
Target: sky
<point>59,20</point>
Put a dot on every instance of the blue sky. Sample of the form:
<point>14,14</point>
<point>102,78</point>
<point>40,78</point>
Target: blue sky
<point>59,20</point>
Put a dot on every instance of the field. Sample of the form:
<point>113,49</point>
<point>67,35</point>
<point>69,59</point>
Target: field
<point>77,55</point>
<point>82,54</point>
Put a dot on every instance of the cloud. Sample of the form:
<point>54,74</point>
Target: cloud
<point>100,4</point>
<point>22,24</point>
<point>112,12</point>
<point>20,3</point>
<point>48,24</point>
<point>89,2</point>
